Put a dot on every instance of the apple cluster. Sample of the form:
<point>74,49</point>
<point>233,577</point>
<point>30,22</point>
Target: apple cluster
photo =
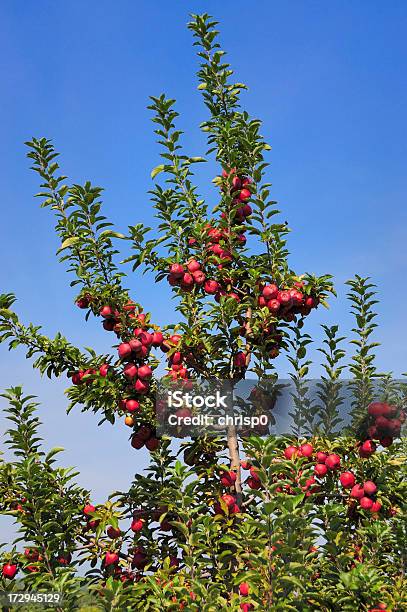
<point>239,187</point>
<point>286,302</point>
<point>145,436</point>
<point>363,493</point>
<point>386,421</point>
<point>226,506</point>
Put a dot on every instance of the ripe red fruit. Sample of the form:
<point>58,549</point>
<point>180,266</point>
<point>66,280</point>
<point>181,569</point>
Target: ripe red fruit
<point>376,507</point>
<point>152,444</point>
<point>253,483</point>
<point>228,478</point>
<point>130,370</point>
<point>146,338</point>
<point>175,338</point>
<point>187,280</point>
<point>124,350</point>
<point>246,210</point>
<point>157,338</point>
<point>109,324</point>
<point>320,469</point>
<point>244,589</point>
<point>177,270</point>
<point>113,533</point>
<point>141,387</point>
<point>228,499</point>
<point>137,442</point>
<point>211,287</point>
<point>321,457</point>
<point>386,442</point>
<point>111,558</point>
<point>132,405</point>
<point>245,465</point>
<point>239,360</point>
<point>273,306</point>
<point>246,607</point>
<point>193,266</point>
<point>306,450</point>
<point>144,433</point>
<point>236,183</point>
<point>291,452</point>
<point>199,277</point>
<point>9,570</point>
<point>88,509</point>
<point>77,377</point>
<point>137,525</point>
<point>104,369</point>
<point>357,492</point>
<point>383,424</point>
<point>375,409</point>
<point>63,559</point>
<point>332,462</point>
<point>270,292</point>
<point>369,487</point>
<point>139,559</point>
<point>144,372</point>
<point>367,448</point>
<point>366,503</point>
<point>347,480</point>
<point>244,195</point>
<point>284,297</point>
<point>106,311</point>
<point>83,302</point>
<point>173,280</point>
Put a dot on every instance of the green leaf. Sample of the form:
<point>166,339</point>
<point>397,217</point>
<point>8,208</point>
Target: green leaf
<point>157,170</point>
<point>68,242</point>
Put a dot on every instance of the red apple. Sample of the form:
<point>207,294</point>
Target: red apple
<point>113,533</point>
<point>130,370</point>
<point>111,558</point>
<point>9,570</point>
<point>88,509</point>
<point>366,503</point>
<point>306,450</point>
<point>193,266</point>
<point>144,372</point>
<point>124,350</point>
<point>239,360</point>
<point>347,480</point>
<point>333,462</point>
<point>152,444</point>
<point>137,525</point>
<point>291,452</point>
<point>270,292</point>
<point>141,386</point>
<point>106,311</point>
<point>369,487</point>
<point>357,492</point>
<point>211,286</point>
<point>177,270</point>
<point>244,589</point>
<point>320,469</point>
<point>157,338</point>
<point>132,405</point>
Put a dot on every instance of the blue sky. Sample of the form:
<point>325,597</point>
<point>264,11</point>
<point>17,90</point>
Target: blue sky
<point>327,79</point>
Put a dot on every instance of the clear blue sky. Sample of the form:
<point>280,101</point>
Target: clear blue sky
<point>327,79</point>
